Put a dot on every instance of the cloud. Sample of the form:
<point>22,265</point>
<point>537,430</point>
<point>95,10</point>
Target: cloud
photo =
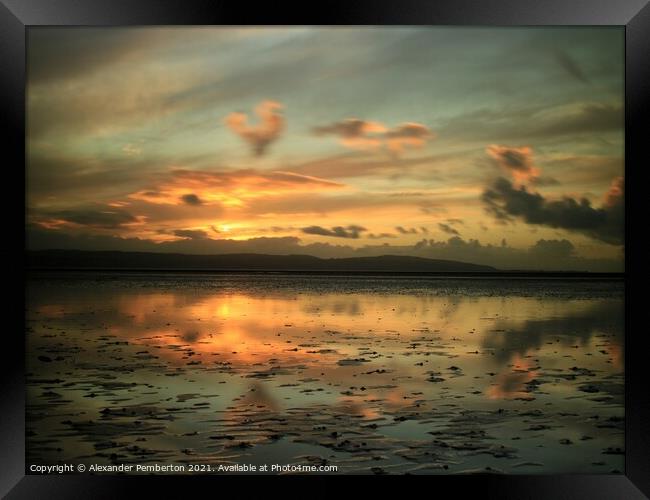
<point>355,133</point>
<point>292,178</point>
<point>86,177</point>
<point>42,238</point>
<point>545,254</point>
<point>56,55</point>
<point>403,230</point>
<point>544,181</point>
<point>93,96</point>
<point>379,236</point>
<point>408,134</point>
<point>557,248</point>
<point>104,219</point>
<point>191,199</point>
<point>570,65</point>
<point>539,124</point>
<point>447,229</point>
<point>210,187</point>
<point>507,203</point>
<point>518,162</point>
<point>270,127</point>
<point>235,179</point>
<point>615,195</point>
<point>343,202</point>
<point>586,169</point>
<point>581,118</point>
<point>432,208</point>
<point>336,232</point>
<point>193,234</point>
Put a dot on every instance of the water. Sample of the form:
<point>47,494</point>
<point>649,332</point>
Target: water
<point>371,374</point>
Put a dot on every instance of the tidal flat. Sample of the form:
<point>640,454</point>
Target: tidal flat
<point>373,374</point>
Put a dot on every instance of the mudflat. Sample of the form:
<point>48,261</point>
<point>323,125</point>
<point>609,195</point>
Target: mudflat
<point>371,374</point>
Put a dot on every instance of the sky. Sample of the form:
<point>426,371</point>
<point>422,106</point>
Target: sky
<point>497,146</point>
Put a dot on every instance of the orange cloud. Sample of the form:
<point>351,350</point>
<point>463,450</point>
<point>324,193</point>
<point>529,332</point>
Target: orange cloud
<point>408,134</point>
<point>268,129</point>
<point>98,217</point>
<point>518,162</point>
<point>230,188</point>
<point>615,193</point>
<point>355,133</point>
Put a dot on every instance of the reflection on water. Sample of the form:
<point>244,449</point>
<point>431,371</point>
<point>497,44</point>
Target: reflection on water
<point>371,375</point>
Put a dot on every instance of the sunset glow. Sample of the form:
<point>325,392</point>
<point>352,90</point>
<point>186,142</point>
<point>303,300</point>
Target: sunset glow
<point>330,142</point>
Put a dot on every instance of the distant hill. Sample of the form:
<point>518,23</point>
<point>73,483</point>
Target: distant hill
<point>79,259</point>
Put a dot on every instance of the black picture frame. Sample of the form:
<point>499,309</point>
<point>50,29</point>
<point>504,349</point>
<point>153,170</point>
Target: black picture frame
<point>17,15</point>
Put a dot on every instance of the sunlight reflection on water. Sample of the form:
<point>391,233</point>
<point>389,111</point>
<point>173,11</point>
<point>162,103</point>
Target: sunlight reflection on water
<point>263,359</point>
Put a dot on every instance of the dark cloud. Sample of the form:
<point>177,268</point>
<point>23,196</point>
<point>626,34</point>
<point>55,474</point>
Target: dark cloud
<point>589,117</point>
<point>587,169</point>
<point>408,134</point>
<point>544,181</point>
<point>447,229</point>
<point>193,234</point>
<point>356,164</point>
<point>549,255</point>
<point>349,128</point>
<point>191,199</point>
<point>41,238</point>
<point>431,208</point>
<point>380,236</point>
<point>108,219</point>
<point>507,203</point>
<point>87,177</point>
<point>557,248</point>
<point>363,134</point>
<point>403,230</point>
<point>517,161</point>
<point>56,54</point>
<point>336,232</point>
<point>570,65</point>
<point>409,131</point>
<point>538,123</point>
<point>75,90</point>
<point>354,133</point>
<point>512,158</point>
<point>270,127</point>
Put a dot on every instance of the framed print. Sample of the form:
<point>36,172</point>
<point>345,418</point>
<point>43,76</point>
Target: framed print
<point>366,240</point>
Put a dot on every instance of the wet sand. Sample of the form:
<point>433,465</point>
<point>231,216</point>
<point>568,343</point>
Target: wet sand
<point>373,375</point>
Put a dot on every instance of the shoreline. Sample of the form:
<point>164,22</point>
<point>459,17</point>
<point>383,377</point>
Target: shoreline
<point>346,274</point>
